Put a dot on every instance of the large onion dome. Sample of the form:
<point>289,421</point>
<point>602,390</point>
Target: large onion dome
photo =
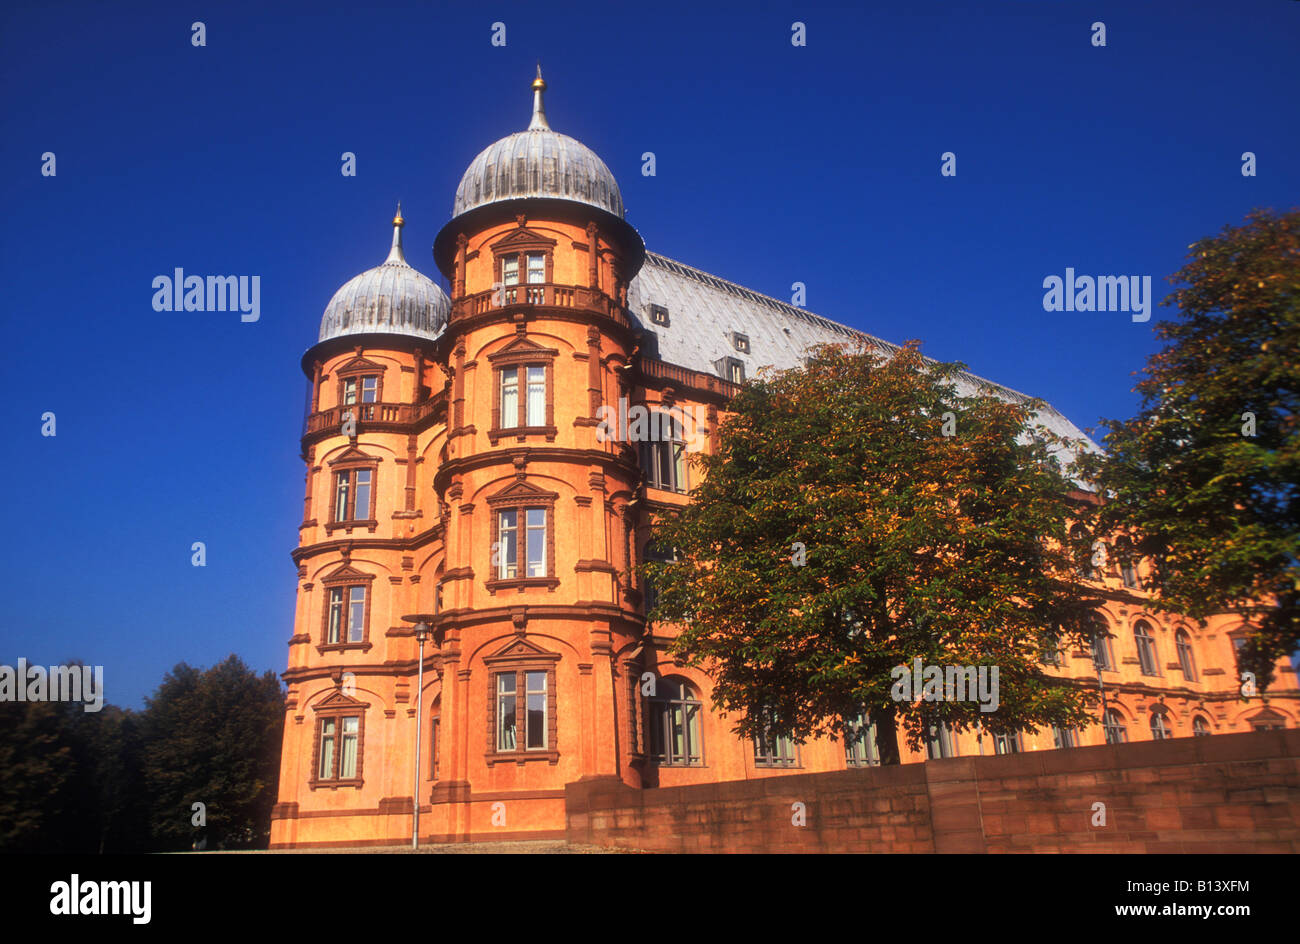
<point>392,298</point>
<point>538,162</point>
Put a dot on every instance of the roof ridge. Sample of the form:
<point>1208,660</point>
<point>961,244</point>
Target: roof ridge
<point>700,275</point>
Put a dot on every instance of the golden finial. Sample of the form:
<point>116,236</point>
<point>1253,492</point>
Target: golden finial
<point>539,112</point>
<point>397,220</point>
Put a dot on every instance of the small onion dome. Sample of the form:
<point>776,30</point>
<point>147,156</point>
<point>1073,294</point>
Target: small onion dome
<point>392,298</point>
<point>538,162</point>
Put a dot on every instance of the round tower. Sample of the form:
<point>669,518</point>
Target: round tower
<point>368,552</point>
<point>537,602</point>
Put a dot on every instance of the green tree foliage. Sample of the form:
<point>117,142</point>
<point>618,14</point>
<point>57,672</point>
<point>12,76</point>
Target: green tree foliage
<point>123,781</point>
<point>950,548</point>
<point>213,737</point>
<point>1215,508</point>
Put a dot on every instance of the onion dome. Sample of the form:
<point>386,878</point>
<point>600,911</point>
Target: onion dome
<point>391,298</point>
<point>538,162</point>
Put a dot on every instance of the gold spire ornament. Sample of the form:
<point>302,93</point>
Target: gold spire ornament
<point>539,122</point>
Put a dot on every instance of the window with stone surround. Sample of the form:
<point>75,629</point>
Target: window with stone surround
<point>339,746</point>
<point>352,501</point>
<point>1103,657</point>
<point>361,386</point>
<point>523,258</point>
<point>674,716</point>
<point>522,723</point>
<point>345,620</point>
<point>1146,648</point>
<point>523,398</point>
<point>523,538</point>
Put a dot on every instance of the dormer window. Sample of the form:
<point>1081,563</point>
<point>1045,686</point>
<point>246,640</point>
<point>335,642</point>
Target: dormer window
<point>740,342</point>
<point>733,369</point>
<point>659,315</point>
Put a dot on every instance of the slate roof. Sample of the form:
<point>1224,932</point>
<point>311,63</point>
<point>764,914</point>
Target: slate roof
<point>704,311</point>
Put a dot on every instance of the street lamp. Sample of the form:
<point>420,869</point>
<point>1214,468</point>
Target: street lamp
<point>421,621</point>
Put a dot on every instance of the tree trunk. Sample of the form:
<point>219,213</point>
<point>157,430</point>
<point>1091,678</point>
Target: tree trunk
<point>886,736</point>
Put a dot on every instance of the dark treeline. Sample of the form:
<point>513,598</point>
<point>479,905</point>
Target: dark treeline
<point>127,781</point>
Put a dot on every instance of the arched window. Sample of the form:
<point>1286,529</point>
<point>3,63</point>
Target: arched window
<point>674,719</point>
<point>1160,727</point>
<point>1102,655</point>
<point>1146,648</point>
<point>1186,659</point>
<point>1114,725</point>
<point>1200,727</point>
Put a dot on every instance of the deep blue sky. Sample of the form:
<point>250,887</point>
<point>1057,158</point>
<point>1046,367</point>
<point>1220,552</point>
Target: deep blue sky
<point>775,164</point>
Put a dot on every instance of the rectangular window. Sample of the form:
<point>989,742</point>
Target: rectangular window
<point>510,270</point>
<point>433,750</point>
<point>536,523</point>
<point>369,389</point>
<point>1062,737</point>
<point>536,268</point>
<point>334,634</point>
<point>507,548</point>
<point>362,507</point>
<point>536,682</point>
<point>536,396</point>
<point>510,398</point>
<point>357,615</point>
<point>349,391</point>
<point>736,372</point>
<point>328,727</point>
<point>348,754</point>
<point>506,711</point>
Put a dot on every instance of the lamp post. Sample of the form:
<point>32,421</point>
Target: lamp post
<point>421,621</point>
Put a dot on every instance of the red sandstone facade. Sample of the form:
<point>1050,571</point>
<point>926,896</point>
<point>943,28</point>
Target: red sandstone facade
<point>473,485</point>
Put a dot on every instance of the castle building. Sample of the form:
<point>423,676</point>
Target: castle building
<point>458,476</point>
